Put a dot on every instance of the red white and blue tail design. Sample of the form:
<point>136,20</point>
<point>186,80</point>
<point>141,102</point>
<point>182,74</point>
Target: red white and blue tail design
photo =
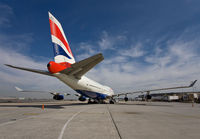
<point>62,50</point>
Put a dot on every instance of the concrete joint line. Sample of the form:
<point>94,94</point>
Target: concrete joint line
<point>113,121</point>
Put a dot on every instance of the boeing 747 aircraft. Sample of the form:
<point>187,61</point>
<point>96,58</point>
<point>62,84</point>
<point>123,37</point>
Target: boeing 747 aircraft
<point>72,73</point>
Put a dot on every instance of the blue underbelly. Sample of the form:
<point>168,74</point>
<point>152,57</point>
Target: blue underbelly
<point>93,95</point>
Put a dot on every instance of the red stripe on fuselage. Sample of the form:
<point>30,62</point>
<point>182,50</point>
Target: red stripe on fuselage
<point>57,33</point>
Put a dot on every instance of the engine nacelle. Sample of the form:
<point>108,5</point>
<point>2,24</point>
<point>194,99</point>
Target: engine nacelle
<point>148,97</point>
<point>125,98</point>
<point>58,97</point>
<point>82,98</point>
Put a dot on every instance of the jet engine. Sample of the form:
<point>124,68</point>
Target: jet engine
<point>148,97</point>
<point>125,98</point>
<point>82,98</point>
<point>58,97</point>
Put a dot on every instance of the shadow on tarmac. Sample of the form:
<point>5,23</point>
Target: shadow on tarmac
<point>46,106</point>
<point>144,104</point>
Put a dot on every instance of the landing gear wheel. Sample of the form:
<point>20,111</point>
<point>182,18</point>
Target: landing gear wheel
<point>112,101</point>
<point>89,101</point>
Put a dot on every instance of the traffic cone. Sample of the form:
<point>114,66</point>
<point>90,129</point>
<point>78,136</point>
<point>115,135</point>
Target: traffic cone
<point>43,106</point>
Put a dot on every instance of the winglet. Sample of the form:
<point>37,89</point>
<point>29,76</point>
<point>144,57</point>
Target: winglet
<point>192,84</point>
<point>18,89</point>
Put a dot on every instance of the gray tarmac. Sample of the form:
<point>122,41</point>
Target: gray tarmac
<point>75,120</point>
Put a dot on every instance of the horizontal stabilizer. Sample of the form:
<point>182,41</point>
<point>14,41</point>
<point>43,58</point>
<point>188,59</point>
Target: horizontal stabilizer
<point>31,70</point>
<point>78,69</point>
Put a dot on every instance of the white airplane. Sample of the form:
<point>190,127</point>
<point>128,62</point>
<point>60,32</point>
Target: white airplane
<point>72,73</point>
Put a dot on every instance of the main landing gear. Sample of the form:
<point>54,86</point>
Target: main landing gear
<point>96,101</point>
<point>100,101</point>
<point>112,101</point>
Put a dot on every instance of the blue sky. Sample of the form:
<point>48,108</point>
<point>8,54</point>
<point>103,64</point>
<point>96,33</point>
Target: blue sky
<point>146,44</point>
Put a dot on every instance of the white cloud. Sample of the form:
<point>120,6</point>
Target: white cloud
<point>110,41</point>
<point>106,41</point>
<point>86,50</point>
<point>134,52</point>
<point>5,15</point>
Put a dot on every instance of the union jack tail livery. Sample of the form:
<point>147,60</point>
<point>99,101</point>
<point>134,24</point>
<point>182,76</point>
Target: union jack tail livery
<point>62,50</point>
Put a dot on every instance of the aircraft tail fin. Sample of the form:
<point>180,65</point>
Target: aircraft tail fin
<point>62,51</point>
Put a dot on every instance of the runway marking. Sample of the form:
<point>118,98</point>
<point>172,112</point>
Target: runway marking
<point>114,122</point>
<point>68,121</point>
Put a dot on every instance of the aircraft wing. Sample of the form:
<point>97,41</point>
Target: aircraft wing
<point>78,69</point>
<point>53,93</point>
<point>175,93</point>
<point>31,70</point>
<point>159,89</point>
